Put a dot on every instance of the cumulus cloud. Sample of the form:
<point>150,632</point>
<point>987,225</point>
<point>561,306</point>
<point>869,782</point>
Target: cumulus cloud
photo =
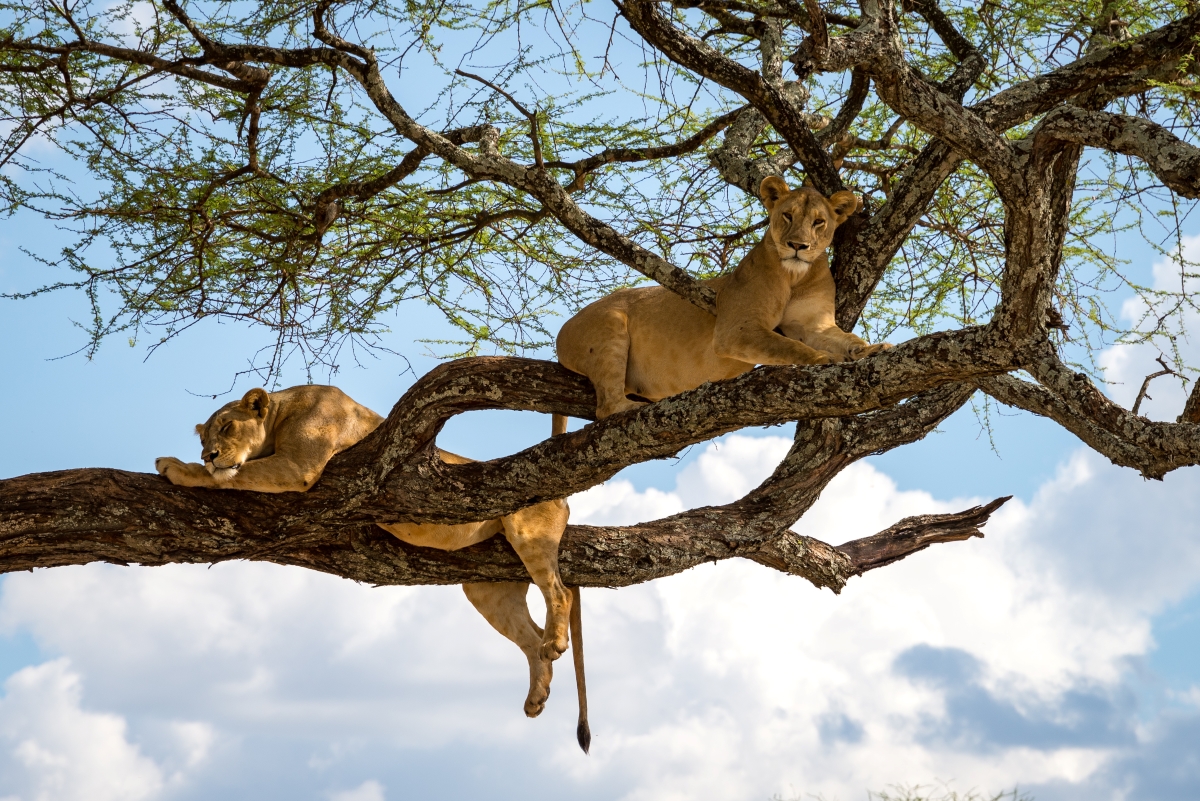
<point>994,662</point>
<point>53,749</point>
<point>369,790</point>
<point>997,662</point>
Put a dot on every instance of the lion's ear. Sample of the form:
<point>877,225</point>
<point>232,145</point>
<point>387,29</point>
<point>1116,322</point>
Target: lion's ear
<point>199,429</point>
<point>256,401</point>
<point>844,204</point>
<point>772,189</point>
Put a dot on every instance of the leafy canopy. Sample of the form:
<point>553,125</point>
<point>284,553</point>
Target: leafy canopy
<point>187,200</point>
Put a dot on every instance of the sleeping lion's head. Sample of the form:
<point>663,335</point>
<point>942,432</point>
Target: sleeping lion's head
<point>234,434</point>
<point>803,220</point>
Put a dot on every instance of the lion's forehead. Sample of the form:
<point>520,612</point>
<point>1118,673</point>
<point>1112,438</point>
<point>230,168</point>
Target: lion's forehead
<point>212,429</point>
<point>804,208</point>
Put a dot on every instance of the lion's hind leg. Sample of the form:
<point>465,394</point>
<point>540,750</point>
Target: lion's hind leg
<point>504,606</point>
<point>596,344</point>
<point>534,533</point>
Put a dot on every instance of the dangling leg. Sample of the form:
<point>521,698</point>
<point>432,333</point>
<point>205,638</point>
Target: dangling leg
<point>503,605</point>
<point>534,533</point>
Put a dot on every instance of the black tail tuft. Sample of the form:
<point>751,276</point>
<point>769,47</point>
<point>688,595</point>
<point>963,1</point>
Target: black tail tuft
<point>584,734</point>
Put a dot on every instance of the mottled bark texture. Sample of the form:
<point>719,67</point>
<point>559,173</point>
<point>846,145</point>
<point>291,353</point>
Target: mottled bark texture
<point>843,412</point>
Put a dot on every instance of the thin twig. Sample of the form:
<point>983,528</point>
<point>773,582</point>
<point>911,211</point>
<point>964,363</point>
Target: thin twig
<point>1146,383</point>
<point>534,133</point>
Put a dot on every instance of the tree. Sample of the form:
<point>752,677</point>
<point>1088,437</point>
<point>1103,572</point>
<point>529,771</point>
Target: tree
<point>259,162</point>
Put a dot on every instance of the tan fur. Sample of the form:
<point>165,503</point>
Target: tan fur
<point>652,343</point>
<point>281,442</point>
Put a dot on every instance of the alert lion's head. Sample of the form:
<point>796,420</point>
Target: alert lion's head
<point>803,220</point>
<point>234,434</point>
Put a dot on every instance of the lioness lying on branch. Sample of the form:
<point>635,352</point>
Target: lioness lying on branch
<point>281,442</point>
<point>776,307</point>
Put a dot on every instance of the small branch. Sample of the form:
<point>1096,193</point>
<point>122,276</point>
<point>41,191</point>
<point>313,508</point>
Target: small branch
<point>1175,162</point>
<point>1073,401</point>
<point>917,533</point>
<point>1137,404</point>
<point>768,98</point>
<point>970,61</point>
<point>625,155</point>
<point>322,33</point>
<point>1162,47</point>
<point>534,131</point>
<point>818,30</point>
<point>856,96</point>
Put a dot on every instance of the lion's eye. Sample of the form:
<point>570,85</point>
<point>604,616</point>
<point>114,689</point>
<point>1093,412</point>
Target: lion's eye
<point>818,223</point>
<point>787,217</point>
<point>225,428</point>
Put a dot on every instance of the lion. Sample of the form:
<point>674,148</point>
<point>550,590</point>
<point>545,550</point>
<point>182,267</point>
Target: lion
<point>281,442</point>
<point>776,307</point>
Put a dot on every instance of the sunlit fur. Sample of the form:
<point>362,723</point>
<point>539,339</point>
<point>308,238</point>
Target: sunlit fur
<point>776,307</point>
<point>281,442</point>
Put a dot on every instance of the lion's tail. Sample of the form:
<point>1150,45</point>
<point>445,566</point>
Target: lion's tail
<point>582,731</point>
<point>558,425</point>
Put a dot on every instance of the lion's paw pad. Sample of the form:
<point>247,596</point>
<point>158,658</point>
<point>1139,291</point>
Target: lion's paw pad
<point>536,702</point>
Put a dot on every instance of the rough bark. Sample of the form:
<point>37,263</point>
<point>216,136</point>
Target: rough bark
<point>844,411</point>
<point>81,516</point>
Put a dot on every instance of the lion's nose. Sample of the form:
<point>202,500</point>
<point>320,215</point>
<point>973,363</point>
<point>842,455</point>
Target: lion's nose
<point>212,456</point>
<point>798,246</point>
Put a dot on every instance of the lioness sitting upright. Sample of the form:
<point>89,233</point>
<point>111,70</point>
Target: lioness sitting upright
<point>281,442</point>
<point>652,343</point>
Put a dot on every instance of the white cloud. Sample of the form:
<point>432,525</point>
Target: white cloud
<point>369,790</point>
<point>995,662</point>
<point>617,503</point>
<point>51,749</point>
<point>838,694</point>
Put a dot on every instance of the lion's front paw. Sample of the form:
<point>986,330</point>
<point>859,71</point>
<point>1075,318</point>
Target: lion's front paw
<point>824,357</point>
<point>863,351</point>
<point>182,473</point>
<point>163,463</point>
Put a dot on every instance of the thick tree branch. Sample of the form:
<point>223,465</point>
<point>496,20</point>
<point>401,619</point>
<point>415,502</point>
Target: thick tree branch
<point>1163,48</point>
<point>916,533</point>
<point>127,521</point>
<point>1071,400</point>
<point>1175,162</point>
<point>124,518</point>
<point>581,459</point>
<point>861,262</point>
<point>1191,409</point>
<point>875,48</point>
<point>394,474</point>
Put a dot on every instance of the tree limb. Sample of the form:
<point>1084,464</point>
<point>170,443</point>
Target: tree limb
<point>126,518</point>
<point>916,533</point>
<point>1071,400</point>
<point>1175,162</point>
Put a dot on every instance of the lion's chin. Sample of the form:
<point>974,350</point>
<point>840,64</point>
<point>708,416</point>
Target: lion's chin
<point>796,267</point>
<point>220,473</point>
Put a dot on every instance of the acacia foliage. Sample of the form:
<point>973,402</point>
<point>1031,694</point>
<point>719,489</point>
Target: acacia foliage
<point>204,188</point>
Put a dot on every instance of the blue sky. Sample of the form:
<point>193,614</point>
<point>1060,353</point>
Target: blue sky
<point>1059,654</point>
